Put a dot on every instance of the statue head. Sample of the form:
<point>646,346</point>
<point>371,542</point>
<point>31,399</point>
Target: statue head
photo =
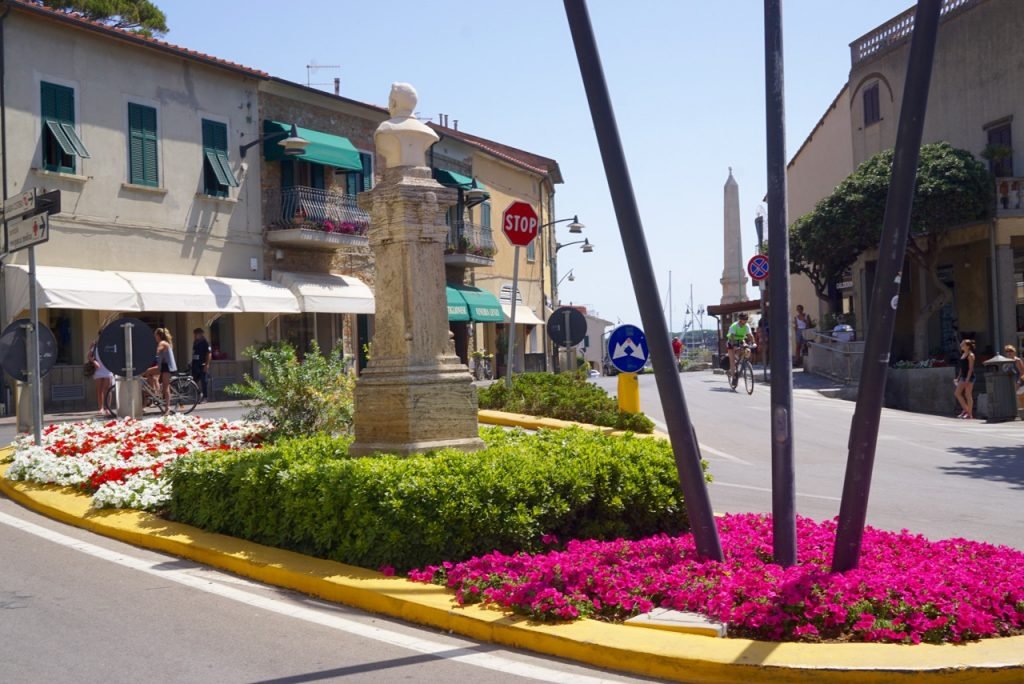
<point>402,101</point>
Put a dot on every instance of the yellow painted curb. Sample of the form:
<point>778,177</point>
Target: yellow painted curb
<point>535,423</point>
<point>655,653</point>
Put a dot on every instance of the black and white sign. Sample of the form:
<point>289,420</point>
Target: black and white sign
<point>27,232</point>
<point>113,351</point>
<point>13,357</point>
<point>567,326</point>
<point>22,203</point>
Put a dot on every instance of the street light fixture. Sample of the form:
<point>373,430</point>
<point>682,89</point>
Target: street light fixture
<point>587,248</point>
<point>293,145</point>
<point>569,275</point>
<point>574,227</point>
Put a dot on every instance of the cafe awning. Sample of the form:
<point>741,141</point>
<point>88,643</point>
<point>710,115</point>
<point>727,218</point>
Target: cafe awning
<point>479,305</point>
<point>328,292</point>
<point>524,314</point>
<point>458,309</point>
<point>323,148</point>
<point>68,288</point>
<point>452,179</point>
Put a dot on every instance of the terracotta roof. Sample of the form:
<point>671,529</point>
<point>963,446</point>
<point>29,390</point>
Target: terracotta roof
<point>527,160</point>
<point>78,21</point>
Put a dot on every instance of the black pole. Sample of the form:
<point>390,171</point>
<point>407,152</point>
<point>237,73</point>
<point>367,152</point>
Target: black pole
<point>783,477</point>
<point>759,227</point>
<point>670,389</point>
<point>892,250</point>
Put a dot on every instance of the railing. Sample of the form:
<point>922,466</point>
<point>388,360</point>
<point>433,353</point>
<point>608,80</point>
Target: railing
<point>834,356</point>
<point>469,238</point>
<point>1009,194</point>
<point>894,31</point>
<point>314,209</point>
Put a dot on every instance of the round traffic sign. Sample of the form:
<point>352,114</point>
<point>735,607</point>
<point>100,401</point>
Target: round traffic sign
<point>757,267</point>
<point>567,326</point>
<point>13,343</point>
<point>520,224</point>
<point>627,348</point>
<point>112,347</point>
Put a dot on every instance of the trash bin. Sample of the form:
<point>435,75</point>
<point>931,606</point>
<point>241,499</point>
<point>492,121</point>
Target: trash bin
<point>1001,388</point>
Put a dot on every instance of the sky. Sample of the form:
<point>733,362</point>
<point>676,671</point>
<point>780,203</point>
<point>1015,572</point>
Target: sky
<point>686,80</point>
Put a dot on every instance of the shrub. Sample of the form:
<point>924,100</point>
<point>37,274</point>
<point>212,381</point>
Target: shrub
<point>309,496</point>
<point>565,396</point>
<point>298,397</point>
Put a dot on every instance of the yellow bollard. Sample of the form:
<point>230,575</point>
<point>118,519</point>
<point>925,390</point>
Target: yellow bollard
<point>629,393</point>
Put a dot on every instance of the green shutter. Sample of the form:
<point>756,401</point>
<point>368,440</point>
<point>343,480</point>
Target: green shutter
<point>367,161</point>
<point>217,173</point>
<point>142,145</point>
<point>61,143</point>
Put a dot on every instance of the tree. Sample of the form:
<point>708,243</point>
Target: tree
<point>137,16</point>
<point>953,189</point>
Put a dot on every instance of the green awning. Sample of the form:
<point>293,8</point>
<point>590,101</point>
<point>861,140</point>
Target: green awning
<point>458,310</point>
<point>324,148</point>
<point>483,307</point>
<point>452,179</point>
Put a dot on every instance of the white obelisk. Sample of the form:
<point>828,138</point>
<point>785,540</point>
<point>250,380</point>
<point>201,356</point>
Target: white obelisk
<point>734,279</point>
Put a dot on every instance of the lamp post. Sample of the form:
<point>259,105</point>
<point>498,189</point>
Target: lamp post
<point>568,275</point>
<point>587,248</point>
<point>293,145</point>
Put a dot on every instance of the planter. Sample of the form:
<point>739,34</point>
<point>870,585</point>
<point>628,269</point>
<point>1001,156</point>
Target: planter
<point>921,390</point>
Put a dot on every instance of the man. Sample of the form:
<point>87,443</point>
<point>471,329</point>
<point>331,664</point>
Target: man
<point>738,335</point>
<point>202,354</point>
<point>677,349</point>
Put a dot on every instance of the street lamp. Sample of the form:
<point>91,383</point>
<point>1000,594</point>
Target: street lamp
<point>574,227</point>
<point>587,248</point>
<point>293,145</point>
<point>569,275</point>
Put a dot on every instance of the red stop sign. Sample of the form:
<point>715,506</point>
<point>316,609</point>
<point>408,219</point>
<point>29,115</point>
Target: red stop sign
<point>520,224</point>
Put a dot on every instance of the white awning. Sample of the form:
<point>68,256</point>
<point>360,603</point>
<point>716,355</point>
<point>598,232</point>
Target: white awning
<point>177,292</point>
<point>264,296</point>
<point>69,288</point>
<point>524,314</point>
<point>328,292</point>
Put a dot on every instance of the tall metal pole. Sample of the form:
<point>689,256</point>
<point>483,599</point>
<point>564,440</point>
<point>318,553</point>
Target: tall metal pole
<point>853,509</point>
<point>783,469</point>
<point>759,227</point>
<point>34,379</point>
<point>512,323</point>
<point>677,416</point>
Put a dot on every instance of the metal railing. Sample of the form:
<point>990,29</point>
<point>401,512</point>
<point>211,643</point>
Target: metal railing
<point>835,357</point>
<point>1009,194</point>
<point>895,31</point>
<point>469,238</point>
<point>314,209</point>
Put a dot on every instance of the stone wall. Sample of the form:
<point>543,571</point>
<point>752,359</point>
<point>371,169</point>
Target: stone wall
<point>923,390</point>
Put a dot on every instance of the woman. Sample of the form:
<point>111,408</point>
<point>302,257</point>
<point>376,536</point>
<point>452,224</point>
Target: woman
<point>1010,352</point>
<point>801,322</point>
<point>965,380</point>
<point>104,378</point>
<point>164,366</point>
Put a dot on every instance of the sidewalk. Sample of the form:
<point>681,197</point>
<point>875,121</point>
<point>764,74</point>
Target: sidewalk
<point>49,418</point>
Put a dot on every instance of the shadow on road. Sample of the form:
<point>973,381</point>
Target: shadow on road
<point>998,463</point>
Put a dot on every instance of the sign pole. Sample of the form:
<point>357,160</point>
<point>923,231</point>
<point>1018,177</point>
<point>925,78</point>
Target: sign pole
<point>568,344</point>
<point>32,349</point>
<point>512,323</point>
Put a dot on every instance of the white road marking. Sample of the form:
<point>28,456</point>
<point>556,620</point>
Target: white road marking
<point>704,448</point>
<point>766,489</point>
<point>411,643</point>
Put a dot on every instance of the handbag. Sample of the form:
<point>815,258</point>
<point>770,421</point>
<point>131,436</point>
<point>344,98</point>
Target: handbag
<point>89,369</point>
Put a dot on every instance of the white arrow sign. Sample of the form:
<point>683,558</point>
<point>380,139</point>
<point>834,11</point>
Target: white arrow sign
<point>22,203</point>
<point>27,232</point>
<point>628,348</point>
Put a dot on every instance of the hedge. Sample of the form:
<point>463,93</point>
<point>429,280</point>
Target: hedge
<point>308,495</point>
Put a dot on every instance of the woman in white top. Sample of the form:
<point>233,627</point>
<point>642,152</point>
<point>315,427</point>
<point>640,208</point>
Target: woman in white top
<point>800,323</point>
<point>103,377</point>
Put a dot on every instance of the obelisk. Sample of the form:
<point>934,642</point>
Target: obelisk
<point>734,279</point>
<point>414,395</point>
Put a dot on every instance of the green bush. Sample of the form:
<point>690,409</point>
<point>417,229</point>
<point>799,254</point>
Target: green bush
<point>298,397</point>
<point>309,496</point>
<point>565,396</point>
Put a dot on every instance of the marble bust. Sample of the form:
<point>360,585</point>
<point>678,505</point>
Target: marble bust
<point>403,140</point>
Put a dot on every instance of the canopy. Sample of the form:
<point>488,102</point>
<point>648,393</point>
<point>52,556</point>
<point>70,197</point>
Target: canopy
<point>328,292</point>
<point>478,305</point>
<point>452,179</point>
<point>458,310</point>
<point>323,148</point>
<point>524,314</point>
<point>69,288</point>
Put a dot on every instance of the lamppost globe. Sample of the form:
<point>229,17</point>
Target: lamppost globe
<point>576,226</point>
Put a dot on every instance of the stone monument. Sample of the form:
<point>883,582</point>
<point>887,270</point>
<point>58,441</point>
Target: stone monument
<point>414,395</point>
<point>734,279</point>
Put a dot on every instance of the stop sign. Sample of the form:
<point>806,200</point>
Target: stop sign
<point>520,224</point>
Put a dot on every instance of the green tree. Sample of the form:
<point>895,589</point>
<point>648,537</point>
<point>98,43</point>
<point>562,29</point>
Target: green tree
<point>137,16</point>
<point>953,189</point>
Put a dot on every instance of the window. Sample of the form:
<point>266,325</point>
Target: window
<point>485,215</point>
<point>61,143</point>
<point>217,174</point>
<point>360,181</point>
<point>531,249</point>
<point>1000,151</point>
<point>872,114</point>
<point>142,146</point>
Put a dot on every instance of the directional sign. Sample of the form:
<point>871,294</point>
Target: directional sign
<point>757,267</point>
<point>627,348</point>
<point>520,224</point>
<point>22,203</point>
<point>12,349</point>
<point>27,232</point>
<point>566,326</point>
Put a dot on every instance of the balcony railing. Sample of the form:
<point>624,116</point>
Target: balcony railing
<point>1009,196</point>
<point>894,31</point>
<point>470,239</point>
<point>314,209</point>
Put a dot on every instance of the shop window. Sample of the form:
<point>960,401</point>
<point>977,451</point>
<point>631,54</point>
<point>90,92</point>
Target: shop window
<point>222,338</point>
<point>66,326</point>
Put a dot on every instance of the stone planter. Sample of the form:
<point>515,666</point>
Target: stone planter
<point>921,390</point>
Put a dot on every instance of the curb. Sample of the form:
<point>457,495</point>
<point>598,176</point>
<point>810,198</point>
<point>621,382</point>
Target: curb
<point>646,652</point>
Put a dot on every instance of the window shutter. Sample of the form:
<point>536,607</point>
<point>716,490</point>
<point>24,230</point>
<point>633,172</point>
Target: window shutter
<point>485,215</point>
<point>142,145</point>
<point>367,180</point>
<point>316,175</point>
<point>217,173</point>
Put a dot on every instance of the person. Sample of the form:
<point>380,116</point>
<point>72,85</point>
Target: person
<point>965,378</point>
<point>762,338</point>
<point>1010,352</point>
<point>202,354</point>
<point>677,349</point>
<point>800,323</point>
<point>738,335</point>
<point>163,367</point>
<point>103,379</point>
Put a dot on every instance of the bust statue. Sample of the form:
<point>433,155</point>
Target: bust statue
<point>402,140</point>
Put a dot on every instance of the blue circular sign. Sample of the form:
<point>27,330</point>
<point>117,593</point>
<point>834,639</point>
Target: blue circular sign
<point>757,267</point>
<point>627,348</point>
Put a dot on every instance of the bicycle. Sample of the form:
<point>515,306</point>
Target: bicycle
<point>184,396</point>
<point>744,368</point>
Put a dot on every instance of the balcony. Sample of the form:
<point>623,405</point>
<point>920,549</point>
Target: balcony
<point>1009,196</point>
<point>469,246</point>
<point>897,31</point>
<point>313,218</point>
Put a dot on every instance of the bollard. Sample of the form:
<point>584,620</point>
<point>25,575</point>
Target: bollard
<point>629,393</point>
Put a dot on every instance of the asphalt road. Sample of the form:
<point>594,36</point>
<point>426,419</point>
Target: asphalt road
<point>937,476</point>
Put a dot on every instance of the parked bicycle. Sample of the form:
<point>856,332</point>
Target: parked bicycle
<point>184,396</point>
<point>743,368</point>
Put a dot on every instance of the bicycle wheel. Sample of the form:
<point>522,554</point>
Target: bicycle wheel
<point>110,399</point>
<point>748,377</point>
<point>184,395</point>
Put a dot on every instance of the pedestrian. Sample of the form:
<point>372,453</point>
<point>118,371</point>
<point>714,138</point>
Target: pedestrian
<point>677,349</point>
<point>762,338</point>
<point>1010,352</point>
<point>800,323</point>
<point>202,354</point>
<point>163,367</point>
<point>965,378</point>
<point>103,379</point>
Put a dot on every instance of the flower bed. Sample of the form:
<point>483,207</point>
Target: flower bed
<point>120,462</point>
<point>906,590</point>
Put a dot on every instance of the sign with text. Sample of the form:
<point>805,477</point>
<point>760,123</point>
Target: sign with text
<point>520,224</point>
<point>22,203</point>
<point>27,232</point>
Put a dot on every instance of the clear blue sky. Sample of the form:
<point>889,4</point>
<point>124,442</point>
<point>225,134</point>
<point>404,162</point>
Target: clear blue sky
<point>686,78</point>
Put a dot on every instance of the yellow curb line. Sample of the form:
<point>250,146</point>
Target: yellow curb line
<point>656,653</point>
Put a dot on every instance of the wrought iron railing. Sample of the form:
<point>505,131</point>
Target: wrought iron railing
<point>315,209</point>
<point>469,238</point>
<point>894,31</point>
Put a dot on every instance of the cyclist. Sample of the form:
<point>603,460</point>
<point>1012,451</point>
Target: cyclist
<point>738,335</point>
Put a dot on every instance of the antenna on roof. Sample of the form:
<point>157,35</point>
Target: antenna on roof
<point>310,68</point>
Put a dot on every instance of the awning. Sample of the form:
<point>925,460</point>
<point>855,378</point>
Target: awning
<point>68,288</point>
<point>323,148</point>
<point>481,305</point>
<point>458,309</point>
<point>524,314</point>
<point>178,292</point>
<point>452,179</point>
<point>263,296</point>
<point>328,292</point>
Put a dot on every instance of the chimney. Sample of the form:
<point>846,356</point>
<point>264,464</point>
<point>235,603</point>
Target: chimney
<point>337,85</point>
<point>456,126</point>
